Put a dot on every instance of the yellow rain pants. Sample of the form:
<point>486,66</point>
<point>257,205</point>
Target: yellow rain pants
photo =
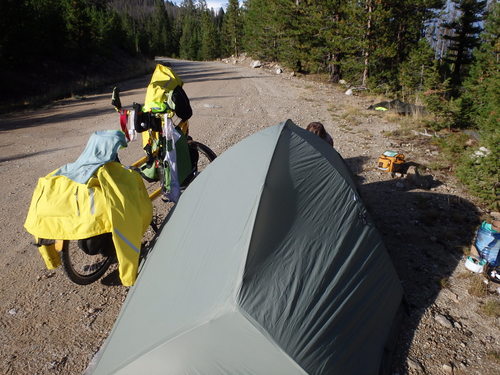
<point>113,201</point>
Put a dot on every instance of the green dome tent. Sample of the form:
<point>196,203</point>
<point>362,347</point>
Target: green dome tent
<point>269,264</point>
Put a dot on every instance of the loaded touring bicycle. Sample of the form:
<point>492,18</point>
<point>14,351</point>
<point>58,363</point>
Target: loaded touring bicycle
<point>88,213</point>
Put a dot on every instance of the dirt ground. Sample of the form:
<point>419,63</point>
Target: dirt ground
<point>48,325</point>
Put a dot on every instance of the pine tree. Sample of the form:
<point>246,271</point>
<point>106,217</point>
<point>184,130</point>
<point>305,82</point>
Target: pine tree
<point>189,44</point>
<point>311,35</point>
<point>406,21</point>
<point>299,38</point>
<point>46,17</point>
<point>481,97</point>
<point>159,29</point>
<point>210,42</point>
<point>13,32</point>
<point>393,29</point>
<point>232,29</point>
<point>465,37</point>
<point>105,28</point>
<point>79,28</point>
<point>265,27</point>
<point>481,103</point>
<point>253,40</point>
<point>414,71</point>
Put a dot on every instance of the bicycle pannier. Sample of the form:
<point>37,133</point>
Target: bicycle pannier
<point>102,243</point>
<point>390,161</point>
<point>182,106</point>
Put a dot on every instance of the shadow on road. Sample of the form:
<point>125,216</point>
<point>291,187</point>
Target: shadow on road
<point>193,71</point>
<point>33,154</point>
<point>189,71</point>
<point>53,114</point>
<point>426,234</point>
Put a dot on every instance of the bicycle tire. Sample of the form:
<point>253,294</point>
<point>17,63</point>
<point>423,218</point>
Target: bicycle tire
<point>206,156</point>
<point>72,256</point>
<point>205,150</point>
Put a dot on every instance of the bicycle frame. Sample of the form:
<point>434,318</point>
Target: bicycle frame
<point>84,263</point>
<point>157,141</point>
<point>158,154</point>
<point>155,194</point>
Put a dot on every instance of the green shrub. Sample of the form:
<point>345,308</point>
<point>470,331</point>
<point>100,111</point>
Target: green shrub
<point>481,176</point>
<point>452,145</point>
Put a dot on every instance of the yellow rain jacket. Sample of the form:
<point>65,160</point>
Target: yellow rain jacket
<point>114,200</point>
<point>159,98</point>
<point>159,91</point>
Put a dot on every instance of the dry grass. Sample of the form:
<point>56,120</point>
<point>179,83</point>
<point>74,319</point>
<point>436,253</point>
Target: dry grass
<point>494,356</point>
<point>465,275</point>
<point>318,77</point>
<point>392,116</point>
<point>491,308</point>
<point>307,99</point>
<point>351,111</point>
<point>439,165</point>
<point>346,128</point>
<point>377,98</point>
<point>335,111</point>
<point>444,283</point>
<point>465,250</point>
<point>408,127</point>
<point>477,286</point>
<point>351,115</point>
<point>405,134</point>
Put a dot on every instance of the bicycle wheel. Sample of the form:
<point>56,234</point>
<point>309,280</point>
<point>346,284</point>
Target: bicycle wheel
<point>203,156</point>
<point>83,267</point>
<point>206,156</point>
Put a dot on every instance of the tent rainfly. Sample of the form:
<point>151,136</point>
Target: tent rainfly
<point>269,264</point>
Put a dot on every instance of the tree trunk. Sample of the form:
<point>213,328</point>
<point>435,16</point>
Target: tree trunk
<point>369,9</point>
<point>334,67</point>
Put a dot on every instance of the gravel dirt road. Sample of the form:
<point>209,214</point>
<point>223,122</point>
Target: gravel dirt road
<point>49,325</point>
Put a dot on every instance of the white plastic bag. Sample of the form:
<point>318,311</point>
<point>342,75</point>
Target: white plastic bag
<point>132,134</point>
<point>172,136</point>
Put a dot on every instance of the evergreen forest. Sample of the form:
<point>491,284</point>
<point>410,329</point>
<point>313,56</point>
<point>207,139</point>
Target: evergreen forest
<point>442,54</point>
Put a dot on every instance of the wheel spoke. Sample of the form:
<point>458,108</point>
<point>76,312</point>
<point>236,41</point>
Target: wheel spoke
<point>81,266</point>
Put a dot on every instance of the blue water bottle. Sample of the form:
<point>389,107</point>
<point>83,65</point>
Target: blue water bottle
<point>488,243</point>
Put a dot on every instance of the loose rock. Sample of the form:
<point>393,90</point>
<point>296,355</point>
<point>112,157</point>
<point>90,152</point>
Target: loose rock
<point>415,365</point>
<point>441,319</point>
<point>256,64</point>
<point>448,369</point>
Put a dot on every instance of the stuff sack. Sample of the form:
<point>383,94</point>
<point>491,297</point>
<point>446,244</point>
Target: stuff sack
<point>182,108</point>
<point>159,90</point>
<point>145,120</point>
<point>391,161</point>
<point>186,158</point>
<point>100,244</point>
<point>488,243</point>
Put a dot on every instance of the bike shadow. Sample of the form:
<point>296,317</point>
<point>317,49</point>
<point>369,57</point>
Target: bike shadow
<point>426,234</point>
<point>112,278</point>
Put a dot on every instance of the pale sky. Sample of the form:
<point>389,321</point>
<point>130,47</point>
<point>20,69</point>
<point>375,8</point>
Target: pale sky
<point>217,4</point>
<point>210,4</point>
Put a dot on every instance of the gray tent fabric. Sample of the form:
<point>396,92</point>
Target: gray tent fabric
<point>269,264</point>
